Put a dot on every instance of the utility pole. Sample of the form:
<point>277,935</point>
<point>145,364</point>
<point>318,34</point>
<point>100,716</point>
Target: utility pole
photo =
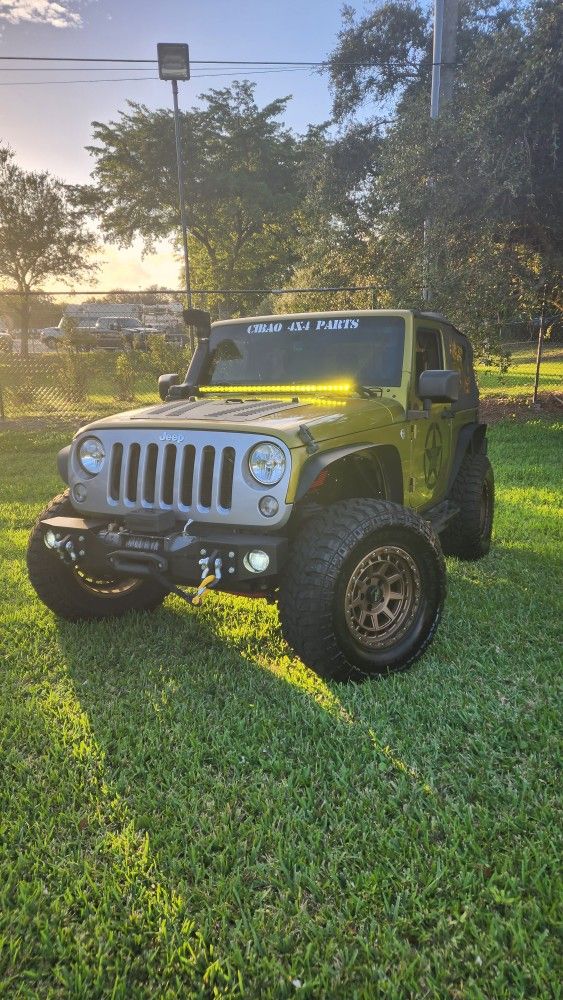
<point>444,54</point>
<point>183,215</point>
<point>443,66</point>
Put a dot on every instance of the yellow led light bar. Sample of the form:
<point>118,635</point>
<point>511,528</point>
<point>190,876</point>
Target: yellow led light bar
<point>325,387</point>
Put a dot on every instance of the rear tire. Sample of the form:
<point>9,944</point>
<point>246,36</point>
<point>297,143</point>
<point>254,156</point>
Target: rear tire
<point>70,592</point>
<point>363,592</point>
<point>468,536</point>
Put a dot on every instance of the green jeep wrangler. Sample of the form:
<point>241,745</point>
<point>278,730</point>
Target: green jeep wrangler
<point>311,459</point>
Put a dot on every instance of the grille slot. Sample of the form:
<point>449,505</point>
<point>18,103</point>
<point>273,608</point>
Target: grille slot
<point>187,476</point>
<point>226,481</point>
<point>132,476</point>
<point>149,476</point>
<point>115,471</point>
<point>206,477</point>
<point>168,468</point>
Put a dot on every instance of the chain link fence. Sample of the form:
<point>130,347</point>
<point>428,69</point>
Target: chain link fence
<point>90,372</point>
<point>69,384</point>
<point>86,371</point>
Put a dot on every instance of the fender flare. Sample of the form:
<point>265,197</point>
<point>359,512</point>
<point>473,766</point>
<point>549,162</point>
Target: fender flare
<point>318,463</point>
<point>472,439</point>
<point>62,463</point>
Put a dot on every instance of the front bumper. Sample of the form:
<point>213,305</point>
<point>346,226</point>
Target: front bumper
<point>146,546</point>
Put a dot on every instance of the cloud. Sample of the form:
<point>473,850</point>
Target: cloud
<point>58,15</point>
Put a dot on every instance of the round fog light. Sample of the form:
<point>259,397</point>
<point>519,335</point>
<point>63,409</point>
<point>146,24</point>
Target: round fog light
<point>268,506</point>
<point>50,538</point>
<point>79,493</point>
<point>256,561</point>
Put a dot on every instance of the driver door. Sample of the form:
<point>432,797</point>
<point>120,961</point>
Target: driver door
<point>430,436</point>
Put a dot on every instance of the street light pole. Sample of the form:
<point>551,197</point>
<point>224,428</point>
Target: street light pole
<point>183,217</point>
<point>174,65</point>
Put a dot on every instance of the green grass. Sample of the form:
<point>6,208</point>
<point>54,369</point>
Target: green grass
<point>186,811</point>
<point>518,381</point>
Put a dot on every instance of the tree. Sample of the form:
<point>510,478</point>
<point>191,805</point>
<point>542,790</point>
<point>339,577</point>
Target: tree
<point>242,184</point>
<point>44,311</point>
<point>496,225</point>
<point>43,233</point>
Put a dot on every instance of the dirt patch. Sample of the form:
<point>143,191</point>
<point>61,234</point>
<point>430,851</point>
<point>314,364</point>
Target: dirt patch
<point>495,408</point>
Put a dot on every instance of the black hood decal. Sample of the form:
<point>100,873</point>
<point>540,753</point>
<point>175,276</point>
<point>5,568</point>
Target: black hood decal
<point>236,410</point>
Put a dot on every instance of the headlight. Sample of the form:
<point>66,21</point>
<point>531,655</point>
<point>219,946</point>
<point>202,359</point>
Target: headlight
<point>267,463</point>
<point>91,455</point>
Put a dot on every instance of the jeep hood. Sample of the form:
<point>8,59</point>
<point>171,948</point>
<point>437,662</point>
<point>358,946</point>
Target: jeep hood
<point>325,418</point>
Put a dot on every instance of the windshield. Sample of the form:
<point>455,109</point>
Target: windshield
<point>366,350</point>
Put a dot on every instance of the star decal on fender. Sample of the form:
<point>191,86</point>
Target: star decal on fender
<point>433,455</point>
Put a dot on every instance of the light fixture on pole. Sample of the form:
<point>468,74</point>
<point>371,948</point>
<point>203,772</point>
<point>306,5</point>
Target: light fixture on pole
<point>174,65</point>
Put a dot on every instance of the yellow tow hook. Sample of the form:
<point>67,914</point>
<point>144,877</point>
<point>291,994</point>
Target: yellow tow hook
<point>203,588</point>
<point>208,579</point>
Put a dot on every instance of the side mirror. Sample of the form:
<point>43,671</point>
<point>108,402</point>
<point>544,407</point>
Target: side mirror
<point>165,382</point>
<point>439,386</point>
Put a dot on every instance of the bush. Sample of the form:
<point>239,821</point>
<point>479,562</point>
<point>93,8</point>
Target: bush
<point>162,357</point>
<point>124,377</point>
<point>75,371</point>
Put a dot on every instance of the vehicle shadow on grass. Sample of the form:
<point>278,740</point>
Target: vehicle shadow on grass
<point>215,696</point>
<point>258,784</point>
<point>249,777</point>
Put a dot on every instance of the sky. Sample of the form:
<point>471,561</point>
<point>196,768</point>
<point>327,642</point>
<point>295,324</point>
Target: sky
<point>47,123</point>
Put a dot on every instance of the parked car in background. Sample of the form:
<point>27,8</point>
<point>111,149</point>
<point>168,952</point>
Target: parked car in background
<point>116,332</point>
<point>51,336</point>
<point>6,342</point>
<point>110,333</point>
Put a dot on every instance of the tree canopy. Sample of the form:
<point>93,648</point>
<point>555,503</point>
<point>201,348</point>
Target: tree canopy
<point>487,175</point>
<point>43,233</point>
<point>349,202</point>
<point>242,184</point>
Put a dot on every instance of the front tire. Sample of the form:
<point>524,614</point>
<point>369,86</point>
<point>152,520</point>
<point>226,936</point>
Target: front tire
<point>74,594</point>
<point>363,592</point>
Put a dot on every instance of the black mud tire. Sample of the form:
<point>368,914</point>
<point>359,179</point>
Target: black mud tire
<point>468,536</point>
<point>316,613</point>
<point>71,595</point>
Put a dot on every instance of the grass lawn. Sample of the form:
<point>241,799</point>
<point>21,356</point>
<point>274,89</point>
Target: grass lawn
<point>519,379</point>
<point>186,811</point>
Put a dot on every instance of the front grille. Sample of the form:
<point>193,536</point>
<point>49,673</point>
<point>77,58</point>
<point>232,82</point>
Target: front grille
<point>171,476</point>
<point>200,475</point>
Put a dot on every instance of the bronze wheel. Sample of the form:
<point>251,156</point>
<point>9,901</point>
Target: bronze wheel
<point>382,597</point>
<point>106,587</point>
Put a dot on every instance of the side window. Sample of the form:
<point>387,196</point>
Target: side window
<point>458,360</point>
<point>428,352</point>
